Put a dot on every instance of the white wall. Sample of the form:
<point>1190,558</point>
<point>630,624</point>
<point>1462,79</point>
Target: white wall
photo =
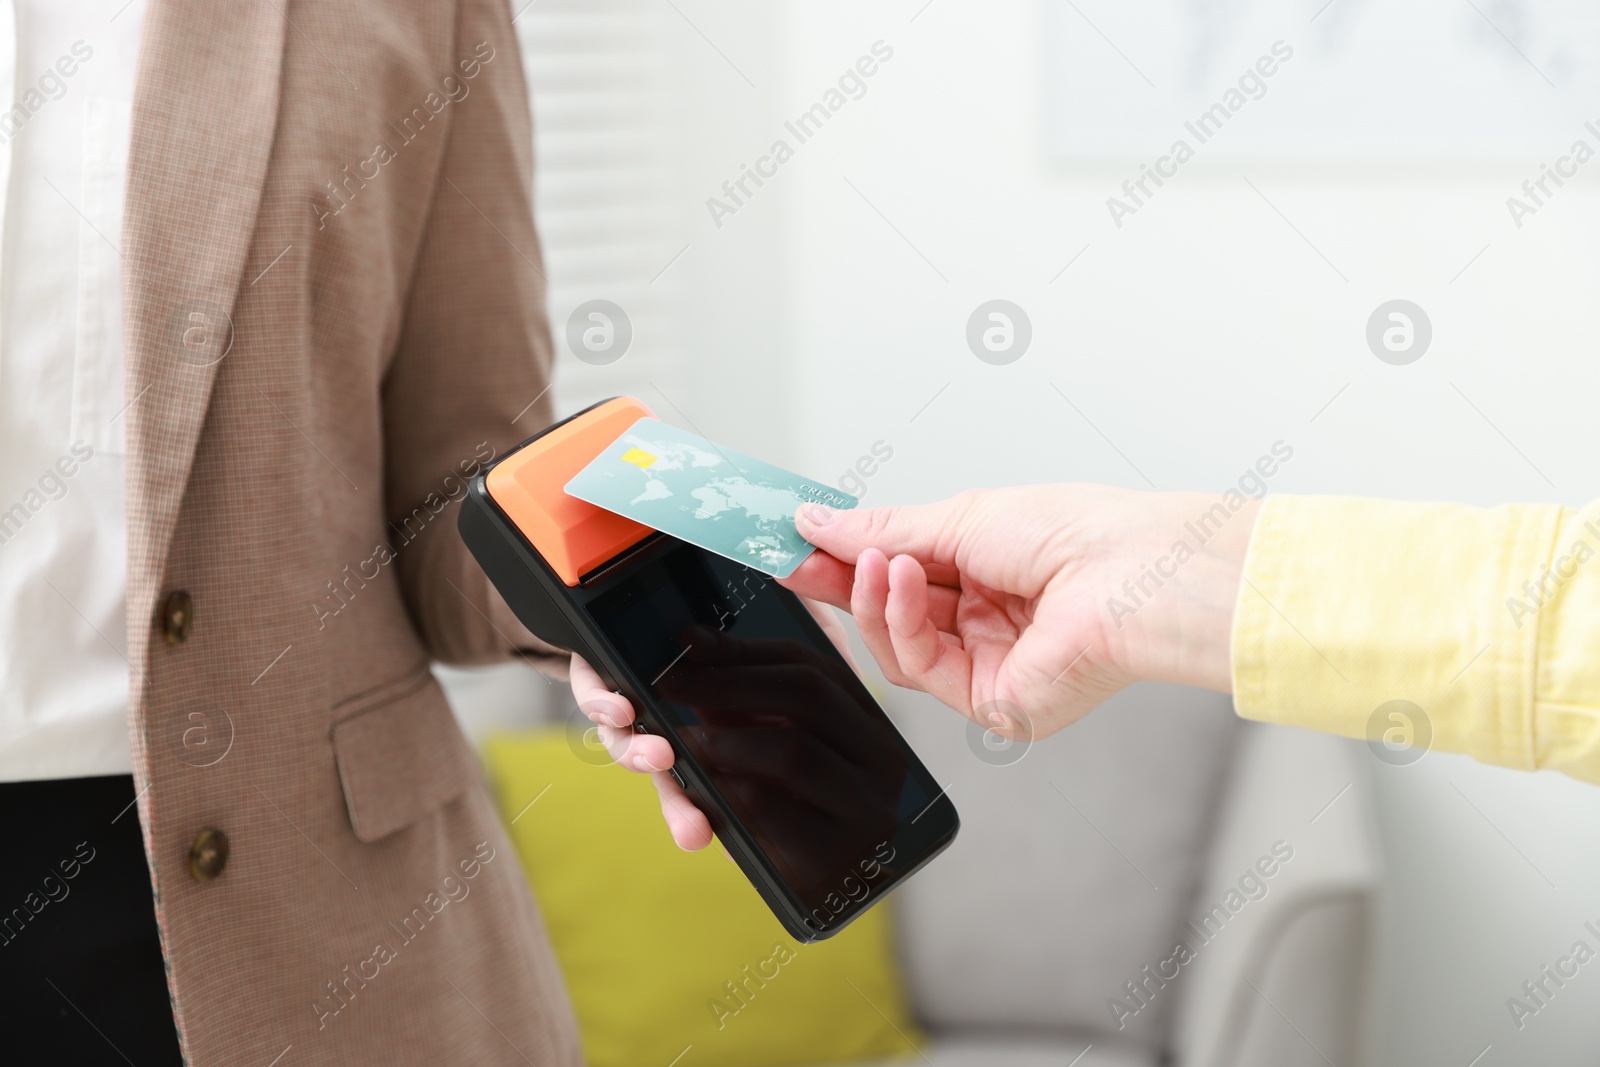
<point>1191,339</point>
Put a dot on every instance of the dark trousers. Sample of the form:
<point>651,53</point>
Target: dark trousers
<point>82,980</point>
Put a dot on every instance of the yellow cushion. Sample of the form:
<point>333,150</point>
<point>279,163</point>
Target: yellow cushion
<point>666,951</point>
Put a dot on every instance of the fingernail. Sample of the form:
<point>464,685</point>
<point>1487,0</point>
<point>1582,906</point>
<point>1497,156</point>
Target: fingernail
<point>645,764</point>
<point>597,711</point>
<point>817,514</point>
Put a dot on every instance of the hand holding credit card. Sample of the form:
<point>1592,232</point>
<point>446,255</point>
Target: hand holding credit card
<point>650,553</point>
<point>721,500</point>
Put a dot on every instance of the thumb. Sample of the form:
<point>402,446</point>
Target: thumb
<point>929,532</point>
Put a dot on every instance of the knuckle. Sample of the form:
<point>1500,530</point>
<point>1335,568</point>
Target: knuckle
<point>965,507</point>
<point>969,497</point>
<point>912,662</point>
<point>880,522</point>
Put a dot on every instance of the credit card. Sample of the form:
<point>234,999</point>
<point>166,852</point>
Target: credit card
<point>724,501</point>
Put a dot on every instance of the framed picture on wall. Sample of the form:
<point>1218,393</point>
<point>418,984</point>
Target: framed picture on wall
<point>1369,81</point>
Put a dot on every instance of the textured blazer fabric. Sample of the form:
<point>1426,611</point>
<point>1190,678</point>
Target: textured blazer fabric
<point>334,316</point>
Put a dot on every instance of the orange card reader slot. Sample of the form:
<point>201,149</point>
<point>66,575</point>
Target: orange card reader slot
<point>529,485</point>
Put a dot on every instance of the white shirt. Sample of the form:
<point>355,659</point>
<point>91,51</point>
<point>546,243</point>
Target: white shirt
<point>66,92</point>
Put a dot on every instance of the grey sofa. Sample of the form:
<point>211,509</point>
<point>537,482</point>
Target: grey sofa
<point>1047,935</point>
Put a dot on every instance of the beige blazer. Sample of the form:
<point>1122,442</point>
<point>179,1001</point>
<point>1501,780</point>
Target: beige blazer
<point>334,313</point>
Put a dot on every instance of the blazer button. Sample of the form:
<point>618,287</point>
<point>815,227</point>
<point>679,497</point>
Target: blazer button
<point>208,855</point>
<point>177,617</point>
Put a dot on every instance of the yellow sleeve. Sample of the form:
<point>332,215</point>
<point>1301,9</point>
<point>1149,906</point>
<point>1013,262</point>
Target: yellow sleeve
<point>1486,619</point>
